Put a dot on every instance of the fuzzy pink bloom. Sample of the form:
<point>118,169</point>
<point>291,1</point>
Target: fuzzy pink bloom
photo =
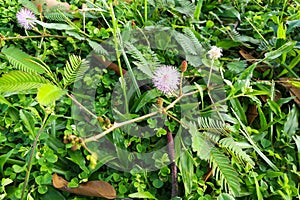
<point>26,18</point>
<point>215,52</point>
<point>166,79</point>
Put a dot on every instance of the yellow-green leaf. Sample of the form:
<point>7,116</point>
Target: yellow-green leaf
<point>48,94</point>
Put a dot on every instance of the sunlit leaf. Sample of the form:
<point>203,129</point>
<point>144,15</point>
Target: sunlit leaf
<point>48,94</point>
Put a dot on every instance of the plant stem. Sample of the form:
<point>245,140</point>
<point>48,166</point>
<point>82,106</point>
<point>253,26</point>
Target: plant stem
<point>32,155</point>
<point>81,106</point>
<point>173,164</point>
<point>118,125</point>
<point>33,36</point>
<point>116,34</point>
<point>146,10</point>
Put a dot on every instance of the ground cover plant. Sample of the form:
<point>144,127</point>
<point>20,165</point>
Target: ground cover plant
<point>166,99</point>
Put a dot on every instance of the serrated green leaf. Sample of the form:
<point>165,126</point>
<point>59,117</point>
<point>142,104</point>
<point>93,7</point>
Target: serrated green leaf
<point>16,81</point>
<point>21,61</point>
<point>48,94</point>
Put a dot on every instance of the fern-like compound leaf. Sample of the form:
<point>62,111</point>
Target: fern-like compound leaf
<point>236,150</point>
<point>74,69</point>
<point>223,171</point>
<point>147,66</point>
<point>97,47</point>
<point>211,125</point>
<point>16,81</point>
<point>21,60</point>
<point>30,5</point>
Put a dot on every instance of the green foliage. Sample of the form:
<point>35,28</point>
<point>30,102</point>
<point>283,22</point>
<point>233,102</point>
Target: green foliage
<point>247,136</point>
<point>74,69</point>
<point>17,81</point>
<point>22,61</point>
<point>224,172</point>
<point>48,94</point>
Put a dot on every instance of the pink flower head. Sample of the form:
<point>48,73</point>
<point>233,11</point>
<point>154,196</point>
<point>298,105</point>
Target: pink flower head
<point>26,18</point>
<point>215,52</point>
<point>166,79</point>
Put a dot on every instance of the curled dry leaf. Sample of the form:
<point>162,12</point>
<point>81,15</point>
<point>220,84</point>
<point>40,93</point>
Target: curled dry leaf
<point>90,188</point>
<point>293,90</point>
<point>251,113</point>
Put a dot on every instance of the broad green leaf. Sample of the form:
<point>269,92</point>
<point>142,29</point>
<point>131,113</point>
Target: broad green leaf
<point>16,81</point>
<point>186,167</point>
<point>292,64</point>
<point>77,158</point>
<point>3,159</point>
<point>56,26</point>
<point>247,73</point>
<point>4,101</point>
<point>6,181</point>
<point>295,83</point>
<point>28,121</point>
<point>146,98</point>
<point>291,124</point>
<point>262,118</point>
<point>297,141</point>
<point>278,52</point>
<point>258,192</point>
<point>52,194</point>
<point>22,61</point>
<point>198,10</point>
<point>237,107</point>
<point>141,195</point>
<point>281,31</point>
<point>274,107</point>
<point>225,196</point>
<point>201,145</point>
<point>48,94</point>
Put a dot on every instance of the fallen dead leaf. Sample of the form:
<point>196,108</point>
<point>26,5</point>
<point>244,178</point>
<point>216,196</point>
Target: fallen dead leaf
<point>251,113</point>
<point>90,188</point>
<point>293,90</point>
<point>52,3</point>
<point>108,64</point>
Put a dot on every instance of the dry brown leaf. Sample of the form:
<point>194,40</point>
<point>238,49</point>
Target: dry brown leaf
<point>247,56</point>
<point>251,114</point>
<point>109,65</point>
<point>52,3</point>
<point>294,91</point>
<point>90,188</point>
